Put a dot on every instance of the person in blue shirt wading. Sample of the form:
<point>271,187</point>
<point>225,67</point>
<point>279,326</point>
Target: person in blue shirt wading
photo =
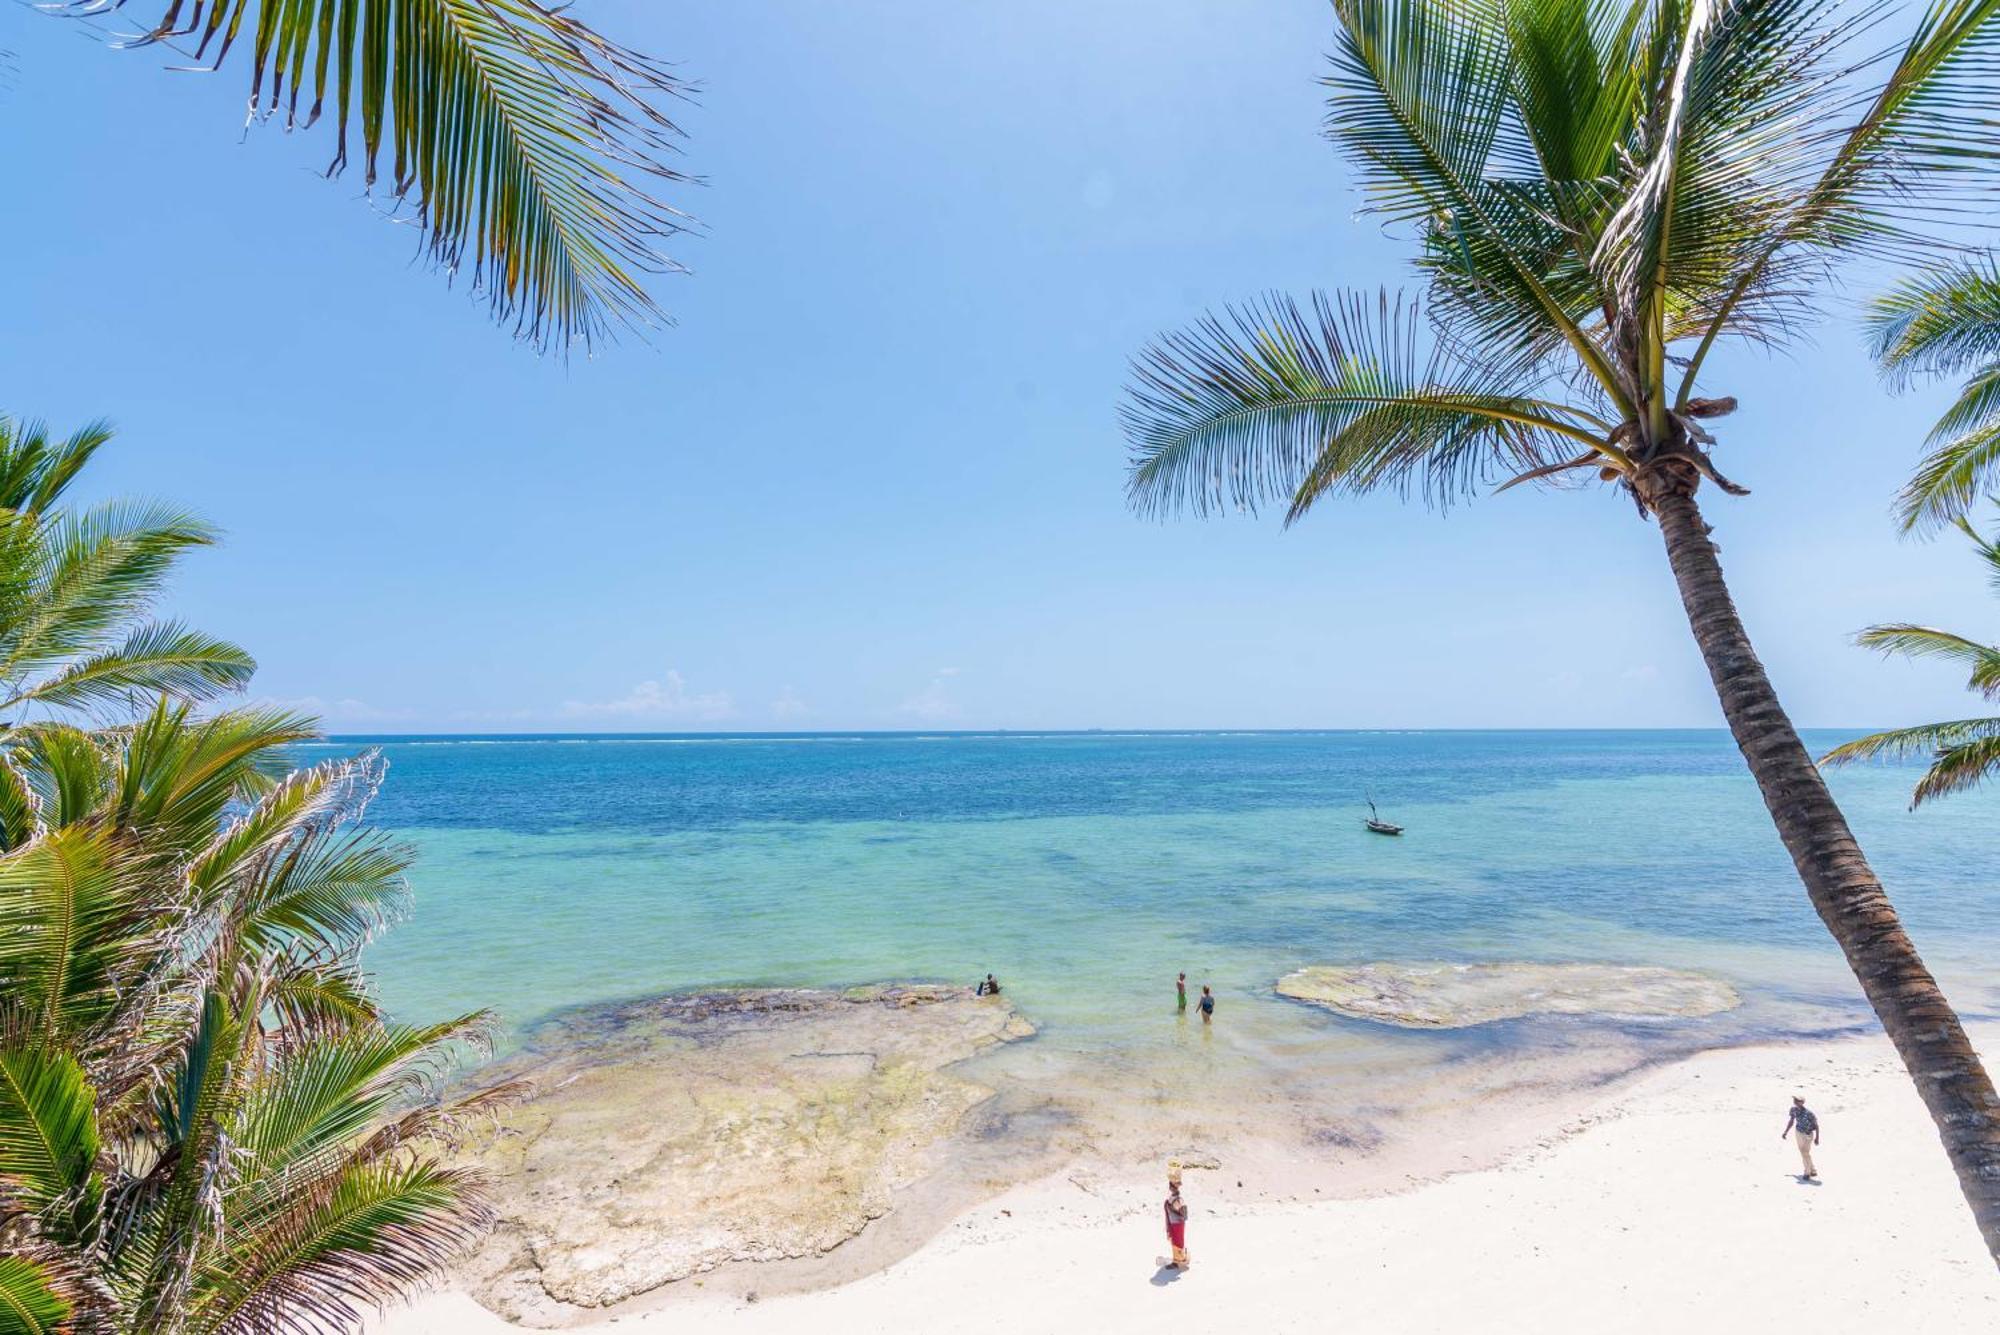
<point>1803,1127</point>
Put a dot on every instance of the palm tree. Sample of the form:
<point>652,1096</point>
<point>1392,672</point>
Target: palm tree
<point>1602,192</point>
<point>206,1127</point>
<point>206,1124</point>
<point>1946,321</point>
<point>530,149</point>
<point>1963,752</point>
<point>75,588</point>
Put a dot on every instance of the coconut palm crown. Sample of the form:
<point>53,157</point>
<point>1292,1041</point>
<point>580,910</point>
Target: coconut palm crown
<point>1963,752</point>
<point>1600,193</point>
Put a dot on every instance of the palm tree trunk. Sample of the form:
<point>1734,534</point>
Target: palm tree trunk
<point>1850,900</point>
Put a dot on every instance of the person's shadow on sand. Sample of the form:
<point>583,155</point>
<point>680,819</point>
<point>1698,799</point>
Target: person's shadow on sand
<point>1166,1274</point>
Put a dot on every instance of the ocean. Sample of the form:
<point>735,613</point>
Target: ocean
<point>1087,869</point>
<point>558,877</point>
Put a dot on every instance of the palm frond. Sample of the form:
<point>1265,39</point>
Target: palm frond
<point>1962,753</point>
<point>1977,406</point>
<point>179,773</point>
<point>20,814</point>
<point>530,148</point>
<point>330,889</point>
<point>380,1230</point>
<point>322,1099</point>
<point>76,923</point>
<point>188,1216</point>
<point>33,1299</point>
<point>34,472</point>
<point>68,771</point>
<point>1279,402</point>
<point>100,570</point>
<point>1981,660</point>
<point>305,803</point>
<point>1957,769</point>
<point>1944,320</point>
<point>1717,147</point>
<point>321,999</point>
<point>1419,98</point>
<point>48,1126</point>
<point>1950,478</point>
<point>1891,171</point>
<point>1576,83</point>
<point>1988,549</point>
<point>160,658</point>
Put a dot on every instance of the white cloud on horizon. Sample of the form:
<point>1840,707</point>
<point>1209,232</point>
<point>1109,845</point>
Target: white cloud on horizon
<point>665,699</point>
<point>788,705</point>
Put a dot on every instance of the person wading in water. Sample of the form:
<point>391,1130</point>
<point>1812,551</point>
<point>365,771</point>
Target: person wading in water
<point>1180,992</point>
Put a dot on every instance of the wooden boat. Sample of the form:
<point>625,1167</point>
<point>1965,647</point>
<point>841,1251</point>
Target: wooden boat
<point>1375,823</point>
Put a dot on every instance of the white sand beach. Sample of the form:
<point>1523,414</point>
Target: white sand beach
<point>1667,1203</point>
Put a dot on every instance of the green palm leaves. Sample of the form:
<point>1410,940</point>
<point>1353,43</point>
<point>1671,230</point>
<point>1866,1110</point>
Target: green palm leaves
<point>1946,321</point>
<point>1275,399</point>
<point>206,1124</point>
<point>200,1106</point>
<point>531,149</point>
<point>1961,753</point>
<point>1600,192</point>
<point>75,589</point>
<point>32,1299</point>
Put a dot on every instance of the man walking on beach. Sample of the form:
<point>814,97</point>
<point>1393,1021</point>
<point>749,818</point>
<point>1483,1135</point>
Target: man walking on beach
<point>1803,1128</point>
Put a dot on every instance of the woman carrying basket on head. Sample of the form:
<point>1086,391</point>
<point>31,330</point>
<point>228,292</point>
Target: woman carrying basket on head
<point>1177,1213</point>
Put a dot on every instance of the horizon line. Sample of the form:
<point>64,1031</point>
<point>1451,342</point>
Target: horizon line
<point>1378,730</point>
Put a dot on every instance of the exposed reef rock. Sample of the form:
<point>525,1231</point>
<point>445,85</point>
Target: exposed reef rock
<point>1440,995</point>
<point>666,1137</point>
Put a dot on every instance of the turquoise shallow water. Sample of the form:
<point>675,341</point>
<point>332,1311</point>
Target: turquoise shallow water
<point>1085,869</point>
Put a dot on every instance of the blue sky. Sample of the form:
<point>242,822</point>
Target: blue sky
<point>873,477</point>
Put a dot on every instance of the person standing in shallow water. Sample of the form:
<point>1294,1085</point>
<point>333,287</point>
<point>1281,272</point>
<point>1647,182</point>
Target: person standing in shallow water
<point>1180,993</point>
<point>1207,1004</point>
<point>1803,1128</point>
<point>1177,1213</point>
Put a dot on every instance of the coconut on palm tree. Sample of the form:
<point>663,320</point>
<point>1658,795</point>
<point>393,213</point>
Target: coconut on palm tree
<point>1600,195</point>
<point>531,150</point>
<point>1962,752</point>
